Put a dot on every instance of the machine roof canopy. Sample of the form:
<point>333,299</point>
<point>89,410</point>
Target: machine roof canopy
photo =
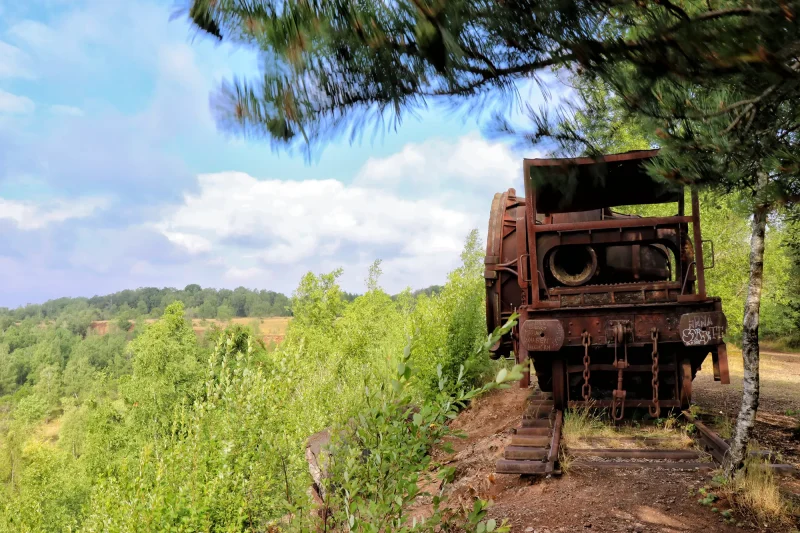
<point>583,184</point>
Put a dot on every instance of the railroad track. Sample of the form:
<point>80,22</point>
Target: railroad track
<point>718,448</point>
<point>535,445</point>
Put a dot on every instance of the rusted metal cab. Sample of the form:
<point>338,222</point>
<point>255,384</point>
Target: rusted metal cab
<point>613,306</point>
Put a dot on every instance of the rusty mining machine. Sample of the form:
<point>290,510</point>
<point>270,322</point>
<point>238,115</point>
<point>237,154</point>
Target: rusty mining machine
<point>613,310</point>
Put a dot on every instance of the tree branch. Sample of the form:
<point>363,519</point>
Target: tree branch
<point>749,107</point>
<point>680,13</point>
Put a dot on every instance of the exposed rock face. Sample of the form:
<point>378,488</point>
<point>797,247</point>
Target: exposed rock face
<point>314,455</point>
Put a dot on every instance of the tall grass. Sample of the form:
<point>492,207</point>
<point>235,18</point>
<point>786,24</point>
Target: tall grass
<point>755,493</point>
<point>583,423</point>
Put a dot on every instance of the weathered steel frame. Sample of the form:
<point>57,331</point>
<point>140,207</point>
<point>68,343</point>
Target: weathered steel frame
<point>670,231</point>
<point>668,225</point>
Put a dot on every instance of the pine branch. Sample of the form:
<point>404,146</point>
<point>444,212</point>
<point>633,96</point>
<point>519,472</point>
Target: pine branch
<point>680,13</point>
<point>749,107</point>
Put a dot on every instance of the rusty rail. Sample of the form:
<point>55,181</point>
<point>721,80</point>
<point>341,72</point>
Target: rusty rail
<point>555,443</point>
<point>718,448</point>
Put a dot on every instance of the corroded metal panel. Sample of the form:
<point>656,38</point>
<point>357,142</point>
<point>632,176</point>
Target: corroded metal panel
<point>703,329</point>
<point>542,335</point>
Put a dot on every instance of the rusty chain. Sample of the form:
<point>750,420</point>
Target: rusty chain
<point>655,409</point>
<point>618,395</point>
<point>586,340</point>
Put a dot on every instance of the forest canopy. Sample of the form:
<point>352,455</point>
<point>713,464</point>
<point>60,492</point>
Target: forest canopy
<point>150,302</point>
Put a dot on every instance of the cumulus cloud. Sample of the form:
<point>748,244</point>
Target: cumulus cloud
<point>14,63</point>
<point>11,103</point>
<point>460,172</point>
<point>316,223</point>
<point>194,244</point>
<point>31,216</point>
<point>299,218</point>
<point>469,160</point>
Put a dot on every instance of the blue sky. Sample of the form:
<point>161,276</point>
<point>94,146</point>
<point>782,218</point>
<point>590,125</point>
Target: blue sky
<point>113,174</point>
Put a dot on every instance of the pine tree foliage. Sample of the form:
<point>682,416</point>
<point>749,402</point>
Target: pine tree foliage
<point>327,65</point>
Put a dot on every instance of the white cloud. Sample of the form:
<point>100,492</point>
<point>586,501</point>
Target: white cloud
<point>68,110</point>
<point>37,36</point>
<point>194,244</point>
<point>11,103</point>
<point>321,224</point>
<point>468,161</point>
<point>32,216</point>
<point>295,220</point>
<point>14,63</point>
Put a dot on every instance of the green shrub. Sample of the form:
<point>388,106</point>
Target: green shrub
<point>180,435</point>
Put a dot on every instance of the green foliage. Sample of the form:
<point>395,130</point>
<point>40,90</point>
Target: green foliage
<point>50,495</point>
<point>161,433</point>
<point>217,470</point>
<point>377,463</point>
<point>708,498</point>
<point>166,371</point>
<point>225,312</point>
<point>451,324</point>
<point>124,323</point>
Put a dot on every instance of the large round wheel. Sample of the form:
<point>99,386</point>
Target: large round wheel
<point>503,293</point>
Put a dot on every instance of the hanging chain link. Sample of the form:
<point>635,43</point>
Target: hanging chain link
<point>655,409</point>
<point>586,340</point>
<point>618,402</point>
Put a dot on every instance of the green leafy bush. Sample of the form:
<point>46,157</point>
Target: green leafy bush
<point>170,433</point>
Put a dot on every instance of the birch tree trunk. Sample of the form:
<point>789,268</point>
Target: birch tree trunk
<point>750,348</point>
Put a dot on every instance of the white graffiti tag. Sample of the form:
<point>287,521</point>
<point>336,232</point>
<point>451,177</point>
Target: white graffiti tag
<point>705,334</point>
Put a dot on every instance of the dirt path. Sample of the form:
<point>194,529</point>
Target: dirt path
<point>582,500</point>
<point>626,501</point>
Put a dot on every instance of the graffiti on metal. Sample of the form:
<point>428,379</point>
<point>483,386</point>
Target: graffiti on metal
<point>542,335</point>
<point>702,329</point>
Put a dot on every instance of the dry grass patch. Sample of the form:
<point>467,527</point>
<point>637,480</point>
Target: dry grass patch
<point>585,427</point>
<point>755,493</point>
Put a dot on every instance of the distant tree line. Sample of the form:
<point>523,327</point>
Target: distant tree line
<point>150,302</point>
<point>77,314</point>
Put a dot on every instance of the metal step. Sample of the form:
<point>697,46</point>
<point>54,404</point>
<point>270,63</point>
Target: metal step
<point>537,414</point>
<point>534,446</point>
<point>531,441</point>
<point>532,431</point>
<point>537,423</point>
<point>525,453</point>
<point>509,466</point>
